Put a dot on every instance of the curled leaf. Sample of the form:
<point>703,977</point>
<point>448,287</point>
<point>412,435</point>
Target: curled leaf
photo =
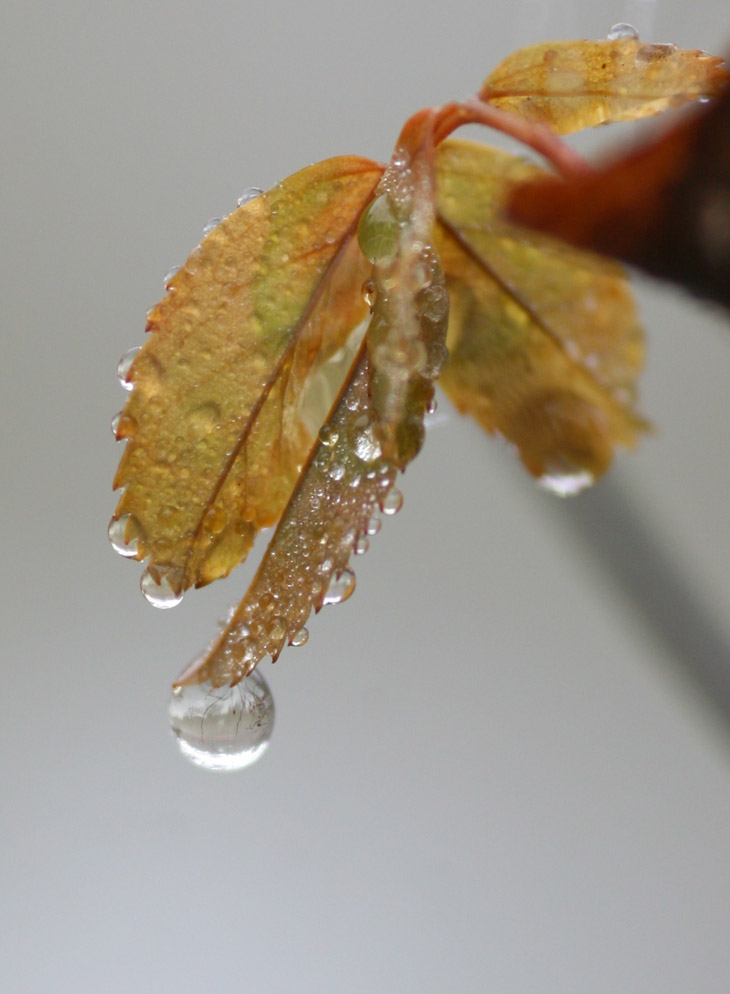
<point>306,564</point>
<point>544,342</point>
<point>217,437</point>
<point>374,430</point>
<point>664,207</point>
<point>406,337</point>
<point>572,85</point>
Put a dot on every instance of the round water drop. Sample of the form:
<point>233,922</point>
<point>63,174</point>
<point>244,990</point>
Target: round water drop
<point>369,293</point>
<point>392,502</point>
<point>377,231</point>
<point>213,223</point>
<point>299,638</point>
<point>336,471</point>
<point>159,594</point>
<point>328,435</point>
<point>115,423</point>
<point>125,364</point>
<point>250,193</point>
<point>340,587</point>
<point>367,447</point>
<point>622,30</point>
<point>362,545</point>
<point>117,531</point>
<point>170,275</point>
<point>374,525</point>
<point>566,483</point>
<point>223,728</point>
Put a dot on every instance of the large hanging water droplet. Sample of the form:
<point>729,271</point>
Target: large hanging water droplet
<point>340,587</point>
<point>250,193</point>
<point>299,638</point>
<point>361,545</point>
<point>566,483</point>
<point>226,728</point>
<point>125,364</point>
<point>622,30</point>
<point>119,528</point>
<point>159,593</point>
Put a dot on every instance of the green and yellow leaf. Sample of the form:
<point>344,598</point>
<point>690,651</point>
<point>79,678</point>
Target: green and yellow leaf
<point>217,438</point>
<point>374,429</point>
<point>572,85</point>
<point>544,342</point>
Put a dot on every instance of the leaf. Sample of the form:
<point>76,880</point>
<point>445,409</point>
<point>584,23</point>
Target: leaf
<point>664,207</point>
<point>216,435</point>
<point>572,85</point>
<point>350,475</point>
<point>544,342</point>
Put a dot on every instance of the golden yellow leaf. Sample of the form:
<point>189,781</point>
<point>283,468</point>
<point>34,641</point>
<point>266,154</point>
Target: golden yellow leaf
<point>330,515</point>
<point>544,342</point>
<point>216,435</point>
<point>572,85</point>
<point>374,429</point>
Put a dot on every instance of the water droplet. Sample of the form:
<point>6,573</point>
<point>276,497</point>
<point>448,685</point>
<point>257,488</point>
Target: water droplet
<point>336,471</point>
<point>299,638</point>
<point>340,587</point>
<point>250,193</point>
<point>432,406</point>
<point>392,502</point>
<point>378,231</point>
<point>328,435</point>
<point>226,728</point>
<point>277,628</point>
<point>622,30</point>
<point>125,364</point>
<point>170,275</point>
<point>159,593</point>
<point>118,529</point>
<point>374,526</point>
<point>215,520</point>
<point>114,425</point>
<point>362,545</point>
<point>566,483</point>
<point>369,293</point>
<point>213,223</point>
<point>367,447</point>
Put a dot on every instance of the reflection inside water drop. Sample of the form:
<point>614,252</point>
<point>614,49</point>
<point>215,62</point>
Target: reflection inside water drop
<point>223,728</point>
<point>566,483</point>
<point>250,193</point>
<point>622,30</point>
<point>125,364</point>
<point>157,589</point>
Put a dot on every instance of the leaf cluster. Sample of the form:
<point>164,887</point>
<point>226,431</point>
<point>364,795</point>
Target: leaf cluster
<point>292,361</point>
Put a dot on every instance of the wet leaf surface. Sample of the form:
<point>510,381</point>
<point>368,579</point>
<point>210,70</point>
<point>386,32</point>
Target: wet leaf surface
<point>545,344</point>
<point>216,435</point>
<point>572,85</point>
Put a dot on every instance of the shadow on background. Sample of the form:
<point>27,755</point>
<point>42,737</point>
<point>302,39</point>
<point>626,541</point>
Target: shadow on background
<point>621,539</point>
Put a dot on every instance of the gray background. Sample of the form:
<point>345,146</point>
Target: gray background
<point>494,768</point>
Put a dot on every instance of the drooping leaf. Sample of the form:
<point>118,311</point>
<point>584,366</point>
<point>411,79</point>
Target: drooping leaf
<point>544,342</point>
<point>572,85</point>
<point>665,207</point>
<point>406,337</point>
<point>361,446</point>
<point>216,435</point>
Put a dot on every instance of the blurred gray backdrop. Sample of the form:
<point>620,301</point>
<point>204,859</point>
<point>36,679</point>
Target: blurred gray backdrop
<point>504,764</point>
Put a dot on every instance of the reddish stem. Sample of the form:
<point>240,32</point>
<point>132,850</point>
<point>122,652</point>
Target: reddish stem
<point>437,123</point>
